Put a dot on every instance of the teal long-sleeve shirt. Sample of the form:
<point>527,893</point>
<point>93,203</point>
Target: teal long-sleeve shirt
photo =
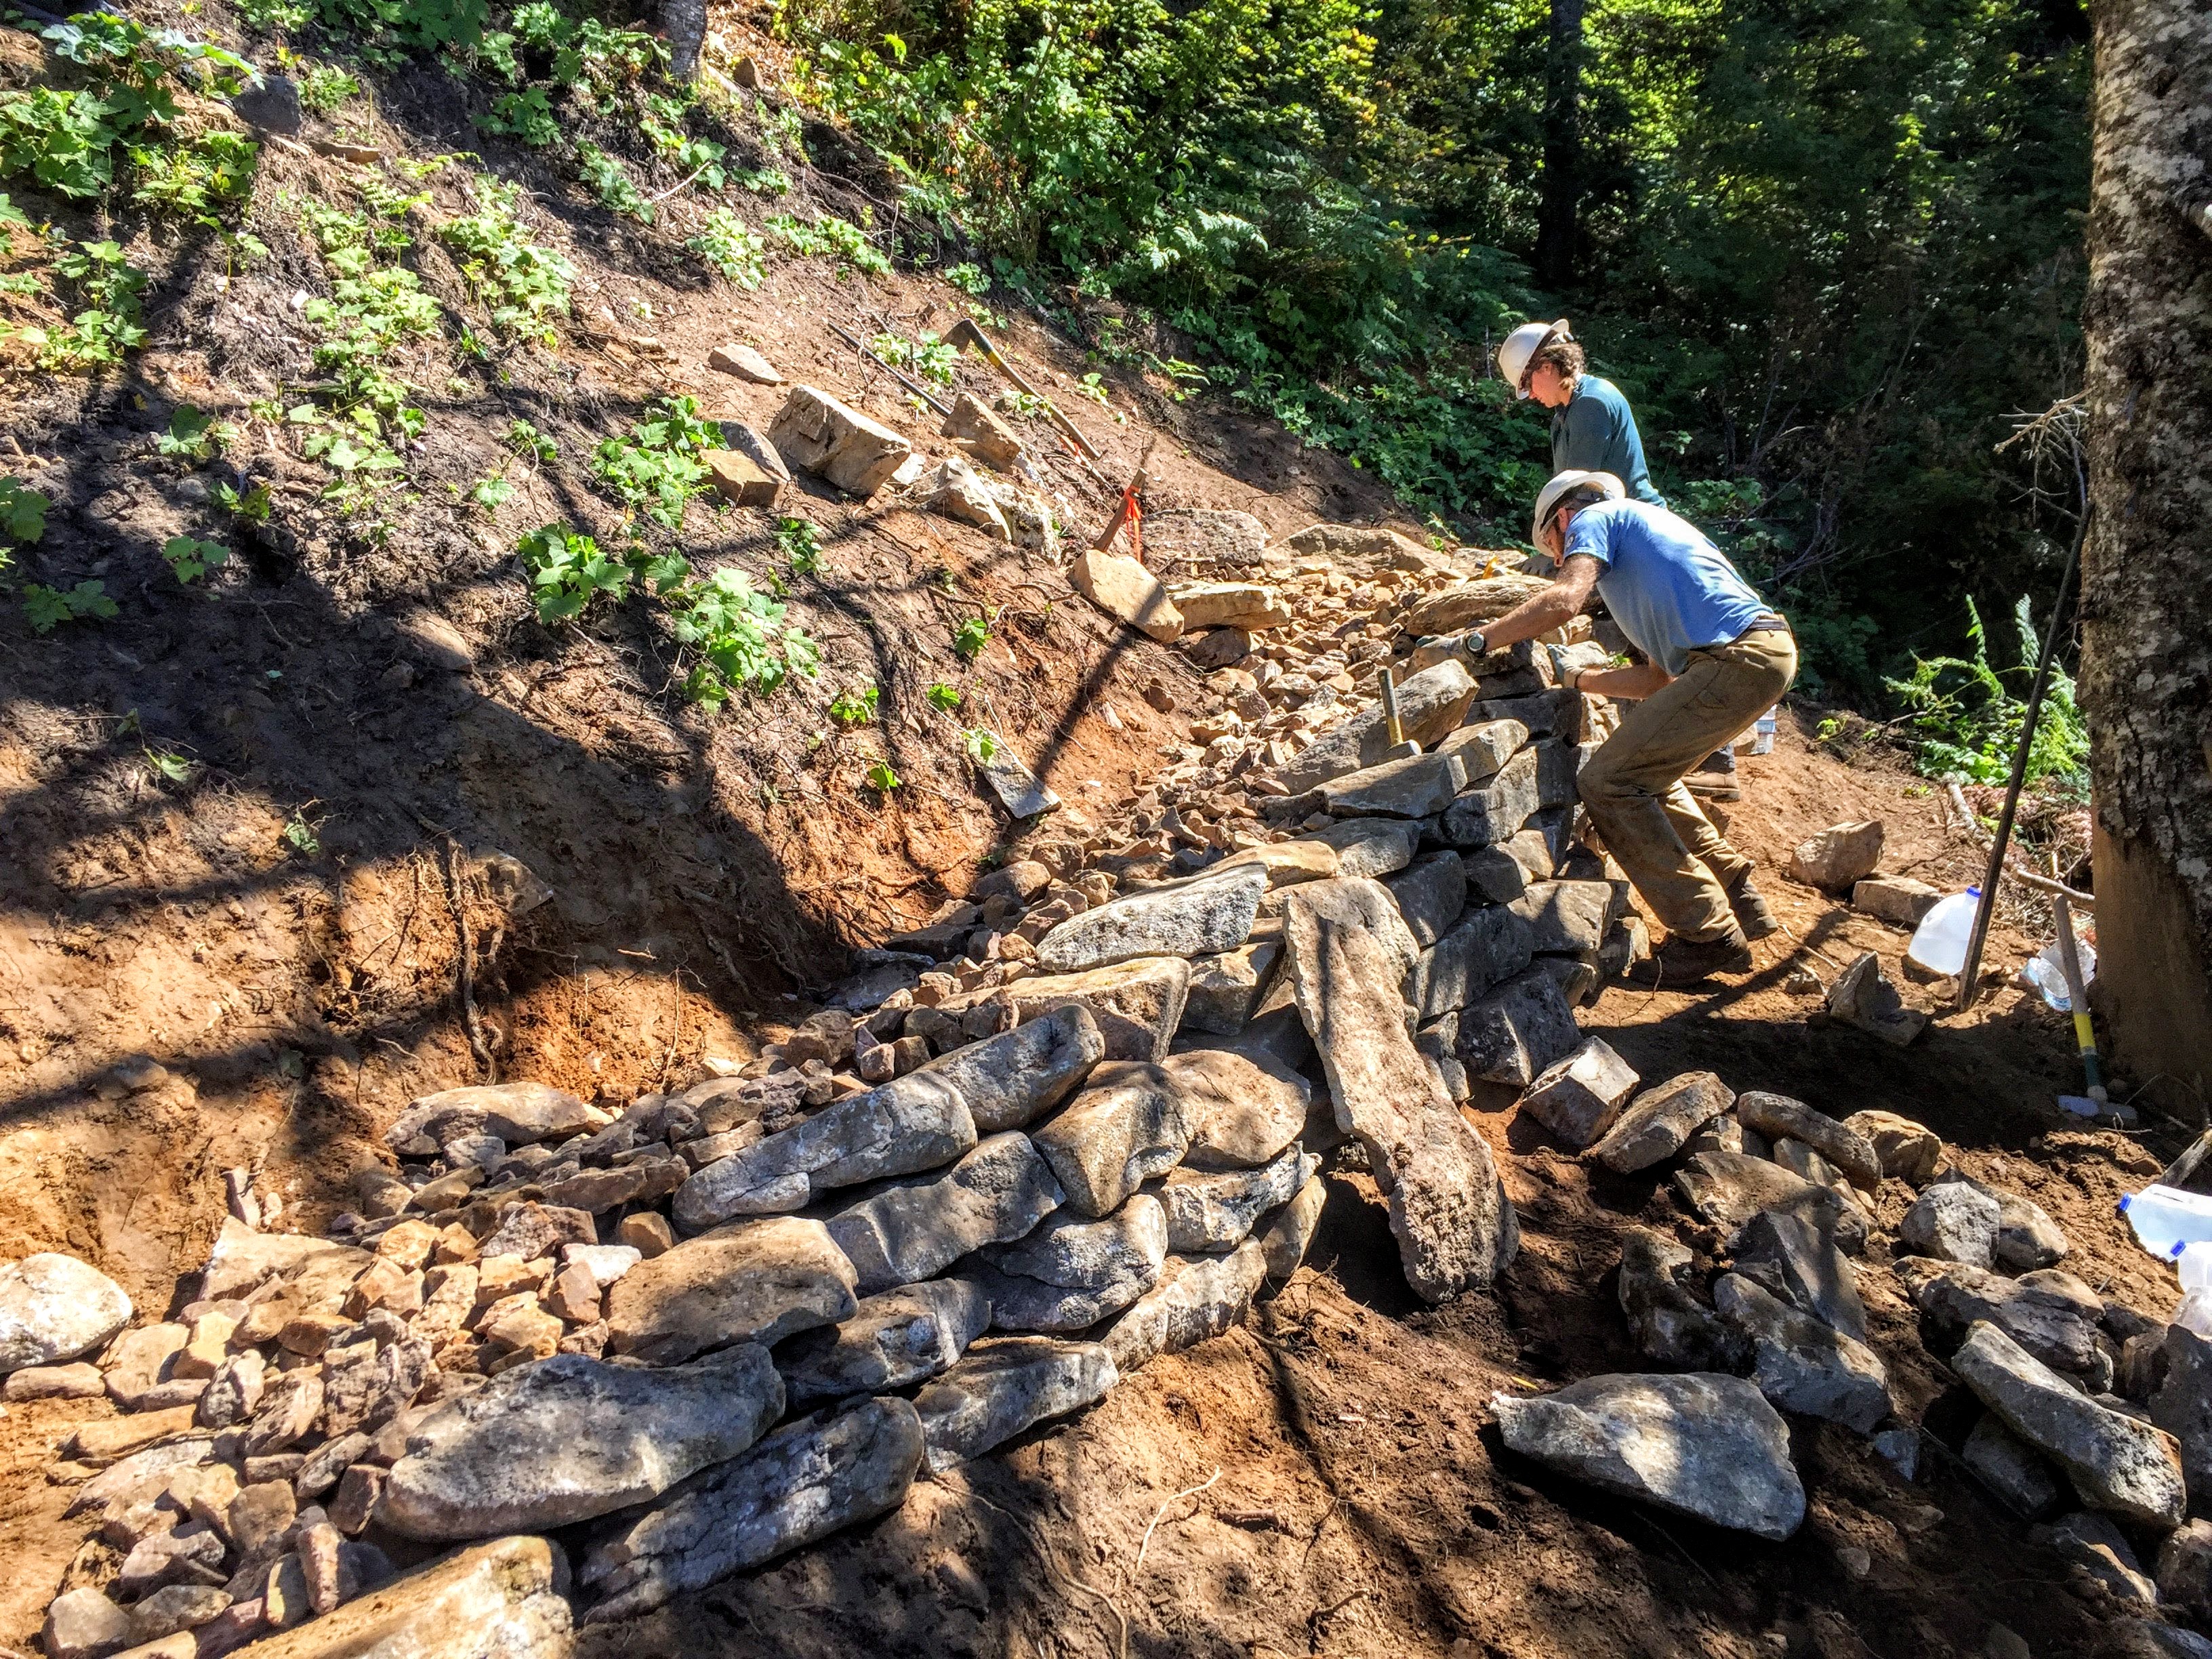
<point>1596,432</point>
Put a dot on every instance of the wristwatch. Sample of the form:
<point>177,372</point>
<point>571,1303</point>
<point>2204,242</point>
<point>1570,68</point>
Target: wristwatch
<point>1476,645</point>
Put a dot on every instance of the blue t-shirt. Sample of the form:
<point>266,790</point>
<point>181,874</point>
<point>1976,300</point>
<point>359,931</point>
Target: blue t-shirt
<point>1596,432</point>
<point>1672,591</point>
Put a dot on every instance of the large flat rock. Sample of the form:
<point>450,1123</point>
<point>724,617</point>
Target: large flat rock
<point>1197,1297</point>
<point>1454,1226</point>
<point>518,1113</point>
<point>752,1281</point>
<point>916,1228</point>
<point>2051,1314</point>
<point>1568,917</point>
<point>1005,1385</point>
<point>1658,1123</point>
<point>893,1341</point>
<point>1131,1123</point>
<point>1355,901</point>
<point>1125,591</point>
<point>569,1438</point>
<point>53,1307</point>
<point>1778,1117</point>
<point>1430,704</point>
<point>1073,1271</point>
<point>1492,811</point>
<point>1136,1004</point>
<point>1798,1260</point>
<point>1729,1189</point>
<point>1212,912</point>
<point>1431,893</point>
<point>1013,1078</point>
<point>2117,1464</point>
<point>814,430</point>
<point>1245,1109</point>
<point>503,1600</point>
<point>1415,786</point>
<point>1214,1211</point>
<point>1486,947</point>
<point>913,1124</point>
<point>1516,1031</point>
<point>1702,1446</point>
<point>799,1485</point>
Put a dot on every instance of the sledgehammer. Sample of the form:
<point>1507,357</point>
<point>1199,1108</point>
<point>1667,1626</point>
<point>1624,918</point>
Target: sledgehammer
<point>965,333</point>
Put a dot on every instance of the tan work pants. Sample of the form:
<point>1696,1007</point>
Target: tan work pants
<point>1633,790</point>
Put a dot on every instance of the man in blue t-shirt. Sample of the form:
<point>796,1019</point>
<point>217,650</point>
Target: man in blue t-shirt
<point>1718,657</point>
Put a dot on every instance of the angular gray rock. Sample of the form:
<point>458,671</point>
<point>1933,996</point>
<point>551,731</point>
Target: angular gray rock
<point>1430,704</point>
<point>53,1307</point>
<point>2116,1463</point>
<point>1801,1365</point>
<point>1137,1005</point>
<point>1778,1116</point>
<point>1672,1327</point>
<point>1072,1272</point>
<point>2010,1467</point>
<point>2152,1639</point>
<point>1245,1110</point>
<point>1909,1150</point>
<point>1951,1221</point>
<point>1516,1032</point>
<point>1198,1297</point>
<point>1700,1444</point>
<point>1578,1098</point>
<point>2028,1238</point>
<point>910,1124</point>
<point>1431,892</point>
<point>916,1229</point>
<point>532,1230</point>
<point>2178,1392</point>
<point>1287,1236</point>
<point>518,1113</point>
<point>85,1623</point>
<point>568,1438</point>
<point>1658,1123</point>
<point>1729,1189</point>
<point>1209,914</point>
<point>1226,989</point>
<point>1799,1262</point>
<point>1488,946</point>
<point>1416,786</point>
<point>1368,849</point>
<point>1447,1209</point>
<point>1012,1079</point>
<point>1485,746</point>
<point>799,1485</point>
<point>1356,901</point>
<point>1494,876</point>
<point>1131,1123</point>
<point>1492,812</point>
<point>752,1281</point>
<point>2100,1549</point>
<point>2184,1567</point>
<point>2052,1314</point>
<point>892,1341</point>
<point>1003,1386</point>
<point>1211,1212</point>
<point>1568,917</point>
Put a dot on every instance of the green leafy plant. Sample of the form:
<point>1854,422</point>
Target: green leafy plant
<point>881,778</point>
<point>49,607</point>
<point>252,505</point>
<point>324,87</point>
<point>274,16</point>
<point>526,285</point>
<point>731,247</point>
<point>190,558</point>
<point>854,708</point>
<point>1970,721</point>
<point>300,836</point>
<point>526,115</point>
<point>168,767</point>
<point>968,278</point>
<point>533,446</point>
<point>942,698</point>
<point>980,745</point>
<point>763,181</point>
<point>741,637</point>
<point>23,513</point>
<point>610,182</point>
<point>196,180</point>
<point>567,571</point>
<point>971,636</point>
<point>193,436</point>
<point>655,469</point>
<point>491,492</point>
<point>927,356</point>
<point>795,538</point>
<point>109,287</point>
<point>830,238</point>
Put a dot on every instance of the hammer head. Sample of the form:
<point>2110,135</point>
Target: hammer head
<point>965,333</point>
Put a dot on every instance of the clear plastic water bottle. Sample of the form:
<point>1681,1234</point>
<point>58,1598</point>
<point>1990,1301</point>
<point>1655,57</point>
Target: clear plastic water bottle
<point>1939,943</point>
<point>1762,735</point>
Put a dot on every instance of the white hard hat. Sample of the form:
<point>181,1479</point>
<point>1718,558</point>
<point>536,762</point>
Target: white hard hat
<point>1548,497</point>
<point>1523,344</point>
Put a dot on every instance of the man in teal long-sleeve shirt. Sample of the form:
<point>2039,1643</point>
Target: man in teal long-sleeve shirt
<point>1593,428</point>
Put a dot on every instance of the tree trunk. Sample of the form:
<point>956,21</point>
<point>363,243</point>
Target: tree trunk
<point>685,23</point>
<point>2147,568</point>
<point>1558,230</point>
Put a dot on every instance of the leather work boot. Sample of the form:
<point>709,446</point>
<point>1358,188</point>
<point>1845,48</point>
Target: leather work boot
<point>1753,913</point>
<point>1715,777</point>
<point>1688,961</point>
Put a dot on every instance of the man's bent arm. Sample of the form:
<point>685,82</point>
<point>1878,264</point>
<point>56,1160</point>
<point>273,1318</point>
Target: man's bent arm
<point>1631,684</point>
<point>1555,607</point>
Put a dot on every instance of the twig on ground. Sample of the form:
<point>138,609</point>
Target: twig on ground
<point>2023,877</point>
<point>1160,1514</point>
<point>464,990</point>
<point>1052,1566</point>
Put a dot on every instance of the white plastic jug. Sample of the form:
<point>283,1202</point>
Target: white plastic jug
<point>1939,943</point>
<point>2193,1261</point>
<point>2167,1219</point>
